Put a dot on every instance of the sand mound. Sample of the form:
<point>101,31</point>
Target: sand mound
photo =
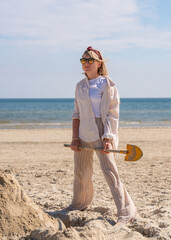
<point>18,214</point>
<point>92,224</point>
<point>21,219</point>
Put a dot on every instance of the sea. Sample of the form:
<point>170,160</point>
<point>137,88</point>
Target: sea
<point>57,113</point>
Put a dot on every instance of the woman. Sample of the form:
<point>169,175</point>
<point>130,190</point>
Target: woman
<point>95,124</point>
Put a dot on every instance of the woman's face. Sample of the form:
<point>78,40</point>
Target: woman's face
<point>90,68</point>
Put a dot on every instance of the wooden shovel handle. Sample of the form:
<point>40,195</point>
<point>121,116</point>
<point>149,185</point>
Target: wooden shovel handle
<point>98,149</point>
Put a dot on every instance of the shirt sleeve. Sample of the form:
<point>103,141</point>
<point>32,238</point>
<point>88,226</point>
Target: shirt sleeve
<point>112,119</point>
<point>76,114</point>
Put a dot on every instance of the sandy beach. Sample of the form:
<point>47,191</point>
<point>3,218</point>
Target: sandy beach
<point>44,169</point>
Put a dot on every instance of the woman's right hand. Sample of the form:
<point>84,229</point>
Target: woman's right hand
<point>75,144</point>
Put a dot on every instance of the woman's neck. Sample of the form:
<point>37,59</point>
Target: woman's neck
<point>92,76</point>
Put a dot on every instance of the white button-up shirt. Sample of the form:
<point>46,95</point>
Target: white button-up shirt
<point>83,111</point>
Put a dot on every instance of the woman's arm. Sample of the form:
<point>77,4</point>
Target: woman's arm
<point>112,122</point>
<point>75,135</point>
<point>107,144</point>
<point>75,125</point>
<point>75,128</point>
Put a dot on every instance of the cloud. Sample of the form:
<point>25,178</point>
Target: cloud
<point>71,24</point>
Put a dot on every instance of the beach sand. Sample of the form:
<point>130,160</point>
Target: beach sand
<point>44,170</point>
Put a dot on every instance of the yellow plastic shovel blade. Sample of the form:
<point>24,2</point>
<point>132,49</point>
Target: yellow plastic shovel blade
<point>134,153</point>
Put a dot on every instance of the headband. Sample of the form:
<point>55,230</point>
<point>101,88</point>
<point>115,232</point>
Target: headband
<point>97,52</point>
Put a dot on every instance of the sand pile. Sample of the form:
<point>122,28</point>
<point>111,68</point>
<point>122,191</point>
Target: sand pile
<point>18,214</point>
<point>20,218</point>
<point>98,223</point>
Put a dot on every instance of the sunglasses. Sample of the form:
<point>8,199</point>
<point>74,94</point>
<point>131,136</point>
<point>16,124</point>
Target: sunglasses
<point>88,60</point>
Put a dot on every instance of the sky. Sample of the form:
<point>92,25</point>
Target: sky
<point>41,42</point>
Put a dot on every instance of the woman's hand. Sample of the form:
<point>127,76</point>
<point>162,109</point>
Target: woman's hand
<point>75,144</point>
<point>107,144</point>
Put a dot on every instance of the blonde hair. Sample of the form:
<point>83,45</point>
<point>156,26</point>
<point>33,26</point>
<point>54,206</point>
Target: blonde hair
<point>102,70</point>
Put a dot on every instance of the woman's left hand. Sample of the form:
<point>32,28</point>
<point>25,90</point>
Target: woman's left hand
<point>107,144</point>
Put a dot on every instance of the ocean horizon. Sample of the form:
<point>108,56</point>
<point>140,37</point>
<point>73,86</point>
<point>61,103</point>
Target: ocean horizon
<point>28,113</point>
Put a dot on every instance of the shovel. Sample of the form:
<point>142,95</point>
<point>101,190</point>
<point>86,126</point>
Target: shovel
<point>133,153</point>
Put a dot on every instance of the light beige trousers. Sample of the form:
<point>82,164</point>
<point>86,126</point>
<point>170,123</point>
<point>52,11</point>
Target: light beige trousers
<point>83,184</point>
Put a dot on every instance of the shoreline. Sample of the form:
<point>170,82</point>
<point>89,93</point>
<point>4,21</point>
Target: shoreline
<point>70,128</point>
<point>39,127</point>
